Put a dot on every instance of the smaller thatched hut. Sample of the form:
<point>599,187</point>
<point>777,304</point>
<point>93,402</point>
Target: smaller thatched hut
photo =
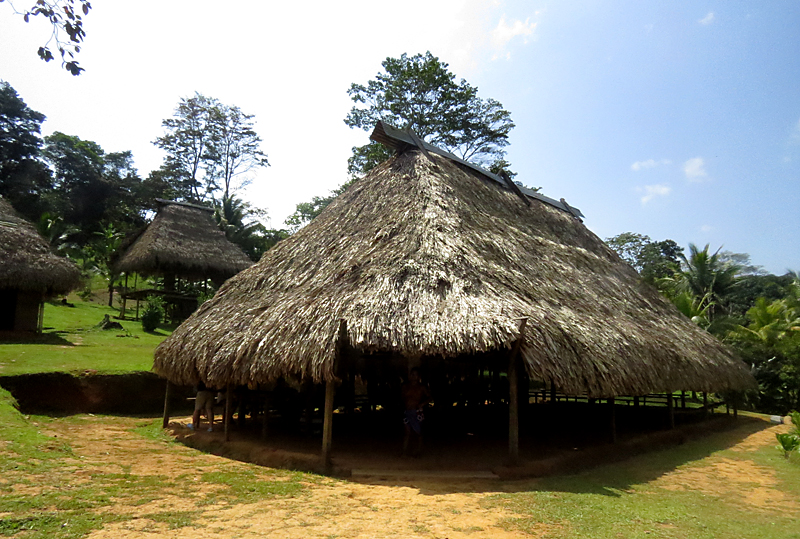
<point>184,241</point>
<point>29,273</point>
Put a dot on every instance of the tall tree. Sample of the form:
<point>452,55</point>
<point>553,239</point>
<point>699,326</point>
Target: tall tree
<point>235,150</point>
<point>65,17</point>
<point>187,141</point>
<point>653,260</point>
<point>705,275</point>
<point>24,180</point>
<point>420,92</point>
<point>92,189</point>
<point>242,226</point>
<point>209,146</point>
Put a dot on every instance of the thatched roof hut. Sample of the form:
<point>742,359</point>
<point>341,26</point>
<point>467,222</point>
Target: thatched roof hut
<point>183,240</point>
<point>29,272</point>
<point>427,256</point>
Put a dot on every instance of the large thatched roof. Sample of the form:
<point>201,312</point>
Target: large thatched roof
<point>26,261</point>
<point>183,240</point>
<point>424,256</point>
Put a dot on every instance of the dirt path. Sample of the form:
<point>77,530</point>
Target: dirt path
<point>326,508</point>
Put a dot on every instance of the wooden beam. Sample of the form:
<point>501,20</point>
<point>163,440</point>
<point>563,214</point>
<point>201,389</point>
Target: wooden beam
<point>513,397</point>
<point>165,420</point>
<point>227,419</point>
<point>705,404</point>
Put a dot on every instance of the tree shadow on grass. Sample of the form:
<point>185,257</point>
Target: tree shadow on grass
<point>51,337</point>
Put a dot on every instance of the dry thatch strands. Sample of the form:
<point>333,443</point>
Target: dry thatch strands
<point>427,257</point>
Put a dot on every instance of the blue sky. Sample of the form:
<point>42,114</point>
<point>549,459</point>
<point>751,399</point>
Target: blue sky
<point>677,120</point>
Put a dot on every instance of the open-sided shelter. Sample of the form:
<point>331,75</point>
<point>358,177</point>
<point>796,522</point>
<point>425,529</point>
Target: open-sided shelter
<point>428,258</point>
<point>29,273</point>
<point>182,242</point>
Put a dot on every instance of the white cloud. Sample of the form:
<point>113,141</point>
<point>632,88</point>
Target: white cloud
<point>695,169</point>
<point>650,163</point>
<point>506,31</point>
<point>708,19</point>
<point>706,228</point>
<point>653,191</point>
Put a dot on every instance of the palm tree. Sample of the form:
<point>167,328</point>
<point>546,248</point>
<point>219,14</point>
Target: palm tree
<point>704,275</point>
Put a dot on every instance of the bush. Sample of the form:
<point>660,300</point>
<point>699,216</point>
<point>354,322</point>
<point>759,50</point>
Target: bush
<point>789,442</point>
<point>153,313</point>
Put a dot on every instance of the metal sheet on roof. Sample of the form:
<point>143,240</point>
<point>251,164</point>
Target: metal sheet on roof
<point>400,140</point>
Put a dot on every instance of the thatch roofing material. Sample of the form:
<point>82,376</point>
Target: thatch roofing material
<point>426,257</point>
<point>26,261</point>
<point>184,240</point>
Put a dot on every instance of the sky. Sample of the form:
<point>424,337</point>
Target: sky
<point>679,120</point>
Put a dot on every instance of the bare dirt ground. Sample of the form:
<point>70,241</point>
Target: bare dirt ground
<point>328,508</point>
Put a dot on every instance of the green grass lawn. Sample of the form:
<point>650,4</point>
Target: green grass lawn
<point>708,494</point>
<point>71,342</point>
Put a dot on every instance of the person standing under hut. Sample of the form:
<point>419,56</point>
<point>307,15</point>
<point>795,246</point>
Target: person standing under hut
<point>203,402</point>
<point>415,396</point>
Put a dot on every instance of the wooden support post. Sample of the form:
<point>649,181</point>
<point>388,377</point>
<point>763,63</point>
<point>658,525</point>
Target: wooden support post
<point>513,397</point>
<point>330,391</point>
<point>612,406</point>
<point>124,300</point>
<point>635,402</point>
<point>227,411</point>
<point>683,399</point>
<point>552,392</point>
<point>165,421</point>
<point>327,424</point>
<point>705,404</point>
<point>671,411</point>
<point>736,405</point>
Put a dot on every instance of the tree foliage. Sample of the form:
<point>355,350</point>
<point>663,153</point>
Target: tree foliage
<point>66,20</point>
<point>24,179</point>
<point>653,260</point>
<point>209,147</point>
<point>420,92</point>
<point>242,226</point>
<point>305,212</point>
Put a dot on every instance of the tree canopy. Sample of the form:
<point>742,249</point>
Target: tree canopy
<point>209,147</point>
<point>420,92</point>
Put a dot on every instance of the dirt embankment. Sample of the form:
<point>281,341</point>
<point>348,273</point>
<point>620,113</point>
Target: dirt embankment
<point>134,393</point>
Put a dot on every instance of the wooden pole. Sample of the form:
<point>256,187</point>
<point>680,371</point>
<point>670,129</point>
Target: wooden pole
<point>683,399</point>
<point>513,397</point>
<point>124,298</point>
<point>735,405</point>
<point>327,425</point>
<point>227,418</point>
<point>671,411</point>
<point>552,391</point>
<point>613,407</point>
<point>330,391</point>
<point>705,404</point>
<point>165,421</point>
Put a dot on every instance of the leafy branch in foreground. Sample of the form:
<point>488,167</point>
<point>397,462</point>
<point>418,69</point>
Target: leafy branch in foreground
<point>66,17</point>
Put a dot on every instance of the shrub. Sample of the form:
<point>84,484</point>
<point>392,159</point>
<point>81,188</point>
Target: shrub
<point>789,442</point>
<point>153,313</point>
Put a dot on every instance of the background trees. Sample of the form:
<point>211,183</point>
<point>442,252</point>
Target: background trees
<point>209,146</point>
<point>420,92</point>
<point>757,314</point>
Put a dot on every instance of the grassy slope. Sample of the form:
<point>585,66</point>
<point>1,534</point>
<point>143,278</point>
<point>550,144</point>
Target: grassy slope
<point>634,499</point>
<point>71,342</point>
